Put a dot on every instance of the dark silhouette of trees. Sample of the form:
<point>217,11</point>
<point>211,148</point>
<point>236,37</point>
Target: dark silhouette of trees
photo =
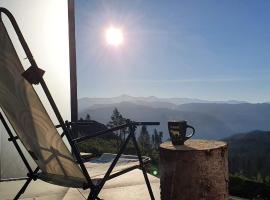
<point>156,139</point>
<point>87,118</point>
<point>116,120</point>
<point>144,140</point>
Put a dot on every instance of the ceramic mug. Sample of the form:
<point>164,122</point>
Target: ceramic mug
<point>178,132</point>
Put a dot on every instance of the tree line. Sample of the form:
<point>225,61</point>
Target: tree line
<point>111,143</point>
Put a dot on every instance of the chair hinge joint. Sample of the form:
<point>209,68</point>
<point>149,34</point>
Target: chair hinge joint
<point>13,138</point>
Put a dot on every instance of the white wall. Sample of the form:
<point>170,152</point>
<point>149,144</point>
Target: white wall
<point>44,24</point>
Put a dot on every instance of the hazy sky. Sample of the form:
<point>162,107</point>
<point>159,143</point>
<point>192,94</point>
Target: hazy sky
<point>202,49</point>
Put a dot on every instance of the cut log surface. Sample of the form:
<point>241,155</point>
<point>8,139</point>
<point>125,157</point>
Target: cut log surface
<point>193,171</point>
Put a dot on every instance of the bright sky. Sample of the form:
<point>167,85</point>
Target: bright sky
<point>44,25</point>
<point>215,50</point>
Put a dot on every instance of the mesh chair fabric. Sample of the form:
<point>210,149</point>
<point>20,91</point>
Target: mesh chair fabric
<point>29,119</point>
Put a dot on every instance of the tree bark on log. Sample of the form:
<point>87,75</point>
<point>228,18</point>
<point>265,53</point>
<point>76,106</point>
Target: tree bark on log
<point>197,170</point>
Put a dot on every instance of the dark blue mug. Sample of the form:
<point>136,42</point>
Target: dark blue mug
<point>178,132</point>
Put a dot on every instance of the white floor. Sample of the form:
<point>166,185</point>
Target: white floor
<point>128,186</point>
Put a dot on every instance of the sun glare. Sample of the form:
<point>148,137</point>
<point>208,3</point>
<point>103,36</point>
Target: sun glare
<point>114,36</point>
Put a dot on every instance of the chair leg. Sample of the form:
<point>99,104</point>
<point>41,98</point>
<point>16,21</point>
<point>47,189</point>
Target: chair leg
<point>148,183</point>
<point>107,174</point>
<point>93,195</point>
<point>25,185</point>
<point>22,190</point>
<point>143,168</point>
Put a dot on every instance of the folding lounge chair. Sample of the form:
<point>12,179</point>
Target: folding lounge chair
<point>27,117</point>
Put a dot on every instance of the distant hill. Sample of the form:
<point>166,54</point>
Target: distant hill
<point>211,120</point>
<point>249,153</point>
<point>238,118</point>
<point>151,101</point>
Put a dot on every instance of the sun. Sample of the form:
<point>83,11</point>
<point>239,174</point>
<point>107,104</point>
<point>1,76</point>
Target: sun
<point>114,36</point>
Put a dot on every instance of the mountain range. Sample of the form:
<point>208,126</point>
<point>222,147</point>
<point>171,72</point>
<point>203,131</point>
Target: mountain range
<point>212,120</point>
<point>151,101</point>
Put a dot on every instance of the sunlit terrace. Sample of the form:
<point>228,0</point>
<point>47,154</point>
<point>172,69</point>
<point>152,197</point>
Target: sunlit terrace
<point>134,100</point>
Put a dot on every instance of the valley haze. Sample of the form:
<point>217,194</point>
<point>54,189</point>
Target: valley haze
<point>211,119</point>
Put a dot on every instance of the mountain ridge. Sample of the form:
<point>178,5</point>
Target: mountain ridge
<point>211,120</point>
<point>87,102</point>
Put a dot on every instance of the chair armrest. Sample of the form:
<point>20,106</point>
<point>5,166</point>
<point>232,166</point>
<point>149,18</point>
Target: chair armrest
<point>76,123</point>
<point>128,124</point>
<point>99,133</point>
<point>146,123</point>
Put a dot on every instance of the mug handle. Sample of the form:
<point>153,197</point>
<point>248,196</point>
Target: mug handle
<point>193,129</point>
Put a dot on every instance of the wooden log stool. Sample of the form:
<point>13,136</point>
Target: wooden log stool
<point>197,170</point>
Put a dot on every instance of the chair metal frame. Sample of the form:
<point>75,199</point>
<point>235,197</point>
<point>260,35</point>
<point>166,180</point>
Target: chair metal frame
<point>67,128</point>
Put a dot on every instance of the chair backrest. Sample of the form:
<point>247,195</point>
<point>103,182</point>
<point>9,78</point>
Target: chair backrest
<point>29,119</point>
